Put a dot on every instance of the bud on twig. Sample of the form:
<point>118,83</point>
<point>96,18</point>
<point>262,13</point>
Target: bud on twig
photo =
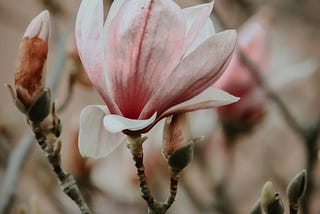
<point>30,75</point>
<point>270,201</point>
<point>176,133</point>
<point>31,96</point>
<point>297,186</point>
<point>177,146</point>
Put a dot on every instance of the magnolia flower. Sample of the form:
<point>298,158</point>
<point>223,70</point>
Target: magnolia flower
<point>149,59</point>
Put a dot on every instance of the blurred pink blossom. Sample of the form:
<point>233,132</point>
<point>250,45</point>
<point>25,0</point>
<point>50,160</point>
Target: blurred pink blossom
<point>150,59</point>
<point>253,42</point>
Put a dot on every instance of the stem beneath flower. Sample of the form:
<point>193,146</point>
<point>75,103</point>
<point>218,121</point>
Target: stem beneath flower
<point>154,207</point>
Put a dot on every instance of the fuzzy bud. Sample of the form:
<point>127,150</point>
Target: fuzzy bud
<point>270,200</point>
<point>297,187</point>
<point>176,133</point>
<point>181,157</point>
<point>33,49</point>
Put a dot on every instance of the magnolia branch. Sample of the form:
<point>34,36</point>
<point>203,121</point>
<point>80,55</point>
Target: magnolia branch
<point>51,147</point>
<point>154,207</point>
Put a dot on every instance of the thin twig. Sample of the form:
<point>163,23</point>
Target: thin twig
<point>67,182</point>
<point>154,207</point>
<point>138,159</point>
<point>256,74</point>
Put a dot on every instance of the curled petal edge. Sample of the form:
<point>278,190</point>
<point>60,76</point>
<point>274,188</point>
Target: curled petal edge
<point>116,123</point>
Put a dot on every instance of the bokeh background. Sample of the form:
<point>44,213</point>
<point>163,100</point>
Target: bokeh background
<point>244,146</point>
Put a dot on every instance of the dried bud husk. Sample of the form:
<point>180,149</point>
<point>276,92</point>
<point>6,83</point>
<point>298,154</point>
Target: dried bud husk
<point>270,201</point>
<point>181,157</point>
<point>30,74</point>
<point>297,187</point>
<point>176,133</point>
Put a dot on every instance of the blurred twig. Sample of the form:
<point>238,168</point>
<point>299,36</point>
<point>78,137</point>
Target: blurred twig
<point>256,74</point>
<point>5,146</point>
<point>309,135</point>
<point>16,160</point>
<point>53,6</point>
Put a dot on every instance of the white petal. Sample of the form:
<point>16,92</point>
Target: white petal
<point>116,123</point>
<point>94,140</point>
<point>114,8</point>
<point>199,25</point>
<point>206,32</point>
<point>210,98</point>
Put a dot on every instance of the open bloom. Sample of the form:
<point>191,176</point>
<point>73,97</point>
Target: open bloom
<point>148,60</point>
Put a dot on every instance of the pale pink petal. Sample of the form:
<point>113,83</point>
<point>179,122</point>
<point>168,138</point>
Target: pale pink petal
<point>199,25</point>
<point>90,43</point>
<point>116,123</point>
<point>39,26</point>
<point>144,44</point>
<point>254,42</point>
<point>114,8</point>
<point>195,73</point>
<point>94,140</point>
<point>206,32</point>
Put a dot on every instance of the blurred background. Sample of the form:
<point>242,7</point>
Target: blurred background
<point>270,135</point>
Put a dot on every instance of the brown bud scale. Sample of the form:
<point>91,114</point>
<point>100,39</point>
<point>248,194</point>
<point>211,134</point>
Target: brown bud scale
<point>29,76</point>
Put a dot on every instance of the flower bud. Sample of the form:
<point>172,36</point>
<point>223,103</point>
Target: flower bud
<point>176,133</point>
<point>297,187</point>
<point>33,49</point>
<point>181,157</point>
<point>270,200</point>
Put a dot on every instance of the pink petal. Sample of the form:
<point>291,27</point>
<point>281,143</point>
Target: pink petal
<point>145,42</point>
<point>94,140</point>
<point>115,123</point>
<point>89,39</point>
<point>194,74</point>
<point>199,25</point>
<point>254,41</point>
